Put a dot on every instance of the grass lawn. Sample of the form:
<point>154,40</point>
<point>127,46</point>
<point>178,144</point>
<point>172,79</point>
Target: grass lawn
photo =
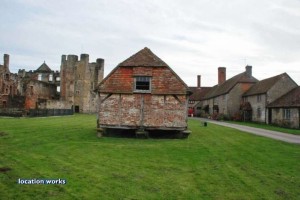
<point>268,127</point>
<point>215,162</point>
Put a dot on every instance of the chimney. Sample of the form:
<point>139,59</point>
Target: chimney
<point>221,75</point>
<point>6,61</point>
<point>199,81</point>
<point>249,71</point>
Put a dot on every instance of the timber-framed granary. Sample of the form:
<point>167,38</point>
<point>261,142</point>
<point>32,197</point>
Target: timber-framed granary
<point>142,95</point>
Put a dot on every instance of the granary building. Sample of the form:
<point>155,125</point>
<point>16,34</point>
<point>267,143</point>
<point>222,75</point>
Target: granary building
<point>143,94</point>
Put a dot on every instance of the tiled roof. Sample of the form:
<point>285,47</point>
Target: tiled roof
<point>43,68</point>
<point>198,93</point>
<point>291,99</point>
<point>225,87</point>
<point>263,86</point>
<point>144,57</point>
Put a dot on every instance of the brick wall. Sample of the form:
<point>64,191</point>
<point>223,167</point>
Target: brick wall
<point>150,111</point>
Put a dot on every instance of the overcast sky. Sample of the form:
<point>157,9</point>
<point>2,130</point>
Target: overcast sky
<point>191,36</point>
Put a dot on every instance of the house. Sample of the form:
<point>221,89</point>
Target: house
<point>265,92</point>
<point>225,97</point>
<point>198,93</point>
<point>143,94</point>
<point>285,111</point>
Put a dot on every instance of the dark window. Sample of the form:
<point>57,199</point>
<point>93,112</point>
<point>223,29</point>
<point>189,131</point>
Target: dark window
<point>143,83</point>
<point>7,77</point>
<point>31,90</point>
<point>258,98</point>
<point>286,114</point>
<point>4,104</point>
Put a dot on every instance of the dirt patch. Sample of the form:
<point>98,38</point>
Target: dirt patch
<point>3,134</point>
<point>4,169</point>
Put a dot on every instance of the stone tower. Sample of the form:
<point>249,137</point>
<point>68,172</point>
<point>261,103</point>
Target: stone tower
<point>78,81</point>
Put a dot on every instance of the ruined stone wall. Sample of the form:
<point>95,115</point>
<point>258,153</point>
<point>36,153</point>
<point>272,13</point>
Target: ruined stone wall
<point>38,92</point>
<point>67,78</point>
<point>143,110</point>
<point>81,81</point>
<point>8,83</point>
<point>78,81</point>
<point>58,104</point>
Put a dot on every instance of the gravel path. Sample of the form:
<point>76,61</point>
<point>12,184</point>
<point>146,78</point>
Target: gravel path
<point>258,131</point>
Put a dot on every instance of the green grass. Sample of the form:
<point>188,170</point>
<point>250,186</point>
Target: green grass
<point>268,127</point>
<point>213,163</point>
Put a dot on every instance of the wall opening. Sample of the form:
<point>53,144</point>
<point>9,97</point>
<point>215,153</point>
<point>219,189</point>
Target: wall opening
<point>76,109</point>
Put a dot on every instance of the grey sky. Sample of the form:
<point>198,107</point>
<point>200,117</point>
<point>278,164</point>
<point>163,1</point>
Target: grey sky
<point>192,36</point>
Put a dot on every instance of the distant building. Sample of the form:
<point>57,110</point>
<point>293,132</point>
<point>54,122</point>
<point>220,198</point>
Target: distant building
<point>143,93</point>
<point>225,98</point>
<point>43,88</point>
<point>265,92</point>
<point>195,105</point>
<point>79,79</point>
<point>285,111</point>
<point>8,84</point>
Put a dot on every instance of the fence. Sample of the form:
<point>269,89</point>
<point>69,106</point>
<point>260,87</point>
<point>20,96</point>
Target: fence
<point>49,112</point>
<point>14,112</point>
<point>11,112</point>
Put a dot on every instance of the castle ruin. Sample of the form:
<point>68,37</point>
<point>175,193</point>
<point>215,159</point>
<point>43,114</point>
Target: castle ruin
<point>71,88</point>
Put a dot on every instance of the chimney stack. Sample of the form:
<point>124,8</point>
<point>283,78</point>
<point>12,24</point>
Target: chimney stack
<point>6,61</point>
<point>249,71</point>
<point>199,81</point>
<point>221,75</point>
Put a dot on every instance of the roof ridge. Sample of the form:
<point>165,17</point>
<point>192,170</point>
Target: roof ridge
<point>144,57</point>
